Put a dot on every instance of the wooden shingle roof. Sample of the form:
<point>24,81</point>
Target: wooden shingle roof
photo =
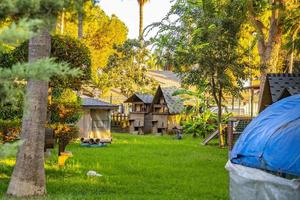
<point>277,86</point>
<point>174,103</point>
<point>290,91</point>
<point>280,82</point>
<point>88,102</point>
<point>145,98</point>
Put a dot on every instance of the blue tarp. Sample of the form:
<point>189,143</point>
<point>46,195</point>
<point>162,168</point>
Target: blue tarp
<point>272,140</point>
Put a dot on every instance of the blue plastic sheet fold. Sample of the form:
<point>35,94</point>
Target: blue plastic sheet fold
<point>272,140</point>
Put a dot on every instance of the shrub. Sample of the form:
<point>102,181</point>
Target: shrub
<point>10,112</point>
<point>9,130</point>
<point>10,120</point>
<point>64,134</point>
<point>64,111</point>
<point>64,49</point>
<point>203,124</point>
<point>65,106</point>
<point>200,125</point>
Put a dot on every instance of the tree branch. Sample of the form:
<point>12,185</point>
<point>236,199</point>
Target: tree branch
<point>259,26</point>
<point>213,85</point>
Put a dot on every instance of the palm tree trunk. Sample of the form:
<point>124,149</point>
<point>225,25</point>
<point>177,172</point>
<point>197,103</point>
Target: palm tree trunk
<point>141,20</point>
<point>28,178</point>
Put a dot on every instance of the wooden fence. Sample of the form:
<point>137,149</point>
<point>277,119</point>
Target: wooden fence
<point>236,126</point>
<point>119,122</point>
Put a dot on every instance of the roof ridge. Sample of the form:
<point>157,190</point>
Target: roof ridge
<point>283,75</point>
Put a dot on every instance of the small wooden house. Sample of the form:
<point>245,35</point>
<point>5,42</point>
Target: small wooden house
<point>275,87</point>
<point>96,119</point>
<point>165,110</point>
<point>140,116</point>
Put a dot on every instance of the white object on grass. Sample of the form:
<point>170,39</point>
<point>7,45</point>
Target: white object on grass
<point>93,173</point>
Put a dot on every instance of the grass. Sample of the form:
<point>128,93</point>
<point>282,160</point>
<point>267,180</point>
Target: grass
<point>136,167</point>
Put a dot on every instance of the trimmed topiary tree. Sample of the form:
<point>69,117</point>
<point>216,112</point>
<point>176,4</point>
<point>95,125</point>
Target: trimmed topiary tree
<point>65,111</point>
<point>63,49</point>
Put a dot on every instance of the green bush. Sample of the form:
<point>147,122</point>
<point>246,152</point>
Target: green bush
<point>11,112</point>
<point>203,124</point>
<point>200,125</point>
<point>65,106</point>
<point>64,49</point>
<point>64,110</point>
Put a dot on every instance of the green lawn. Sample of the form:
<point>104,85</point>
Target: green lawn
<point>137,167</point>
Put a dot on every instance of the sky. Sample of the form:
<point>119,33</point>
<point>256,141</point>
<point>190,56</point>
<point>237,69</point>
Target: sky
<point>128,12</point>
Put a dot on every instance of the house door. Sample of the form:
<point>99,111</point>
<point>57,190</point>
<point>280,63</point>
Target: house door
<point>100,123</point>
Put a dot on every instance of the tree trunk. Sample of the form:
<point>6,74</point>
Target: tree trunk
<point>291,64</point>
<point>62,22</point>
<point>269,45</point>
<point>28,178</point>
<point>272,51</point>
<point>217,94</point>
<point>80,25</point>
<point>141,21</point>
<point>220,131</point>
<point>61,147</point>
<point>80,21</point>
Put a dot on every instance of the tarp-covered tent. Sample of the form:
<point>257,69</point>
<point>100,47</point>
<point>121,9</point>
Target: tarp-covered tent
<point>270,143</point>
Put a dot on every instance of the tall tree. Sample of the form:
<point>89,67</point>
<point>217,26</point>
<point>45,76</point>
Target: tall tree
<point>203,45</point>
<point>142,4</point>
<point>126,69</point>
<point>80,19</point>
<point>101,34</point>
<point>292,27</point>
<point>269,32</point>
<point>28,178</point>
<point>81,16</point>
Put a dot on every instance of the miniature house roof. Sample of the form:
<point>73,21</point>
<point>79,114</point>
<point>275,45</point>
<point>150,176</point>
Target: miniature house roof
<point>137,97</point>
<point>174,103</point>
<point>88,102</point>
<point>278,86</point>
<point>290,91</point>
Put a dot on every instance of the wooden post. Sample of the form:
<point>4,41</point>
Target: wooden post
<point>239,106</point>
<point>252,100</point>
<point>230,135</point>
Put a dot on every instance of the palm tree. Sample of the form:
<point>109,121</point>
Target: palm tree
<point>141,4</point>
